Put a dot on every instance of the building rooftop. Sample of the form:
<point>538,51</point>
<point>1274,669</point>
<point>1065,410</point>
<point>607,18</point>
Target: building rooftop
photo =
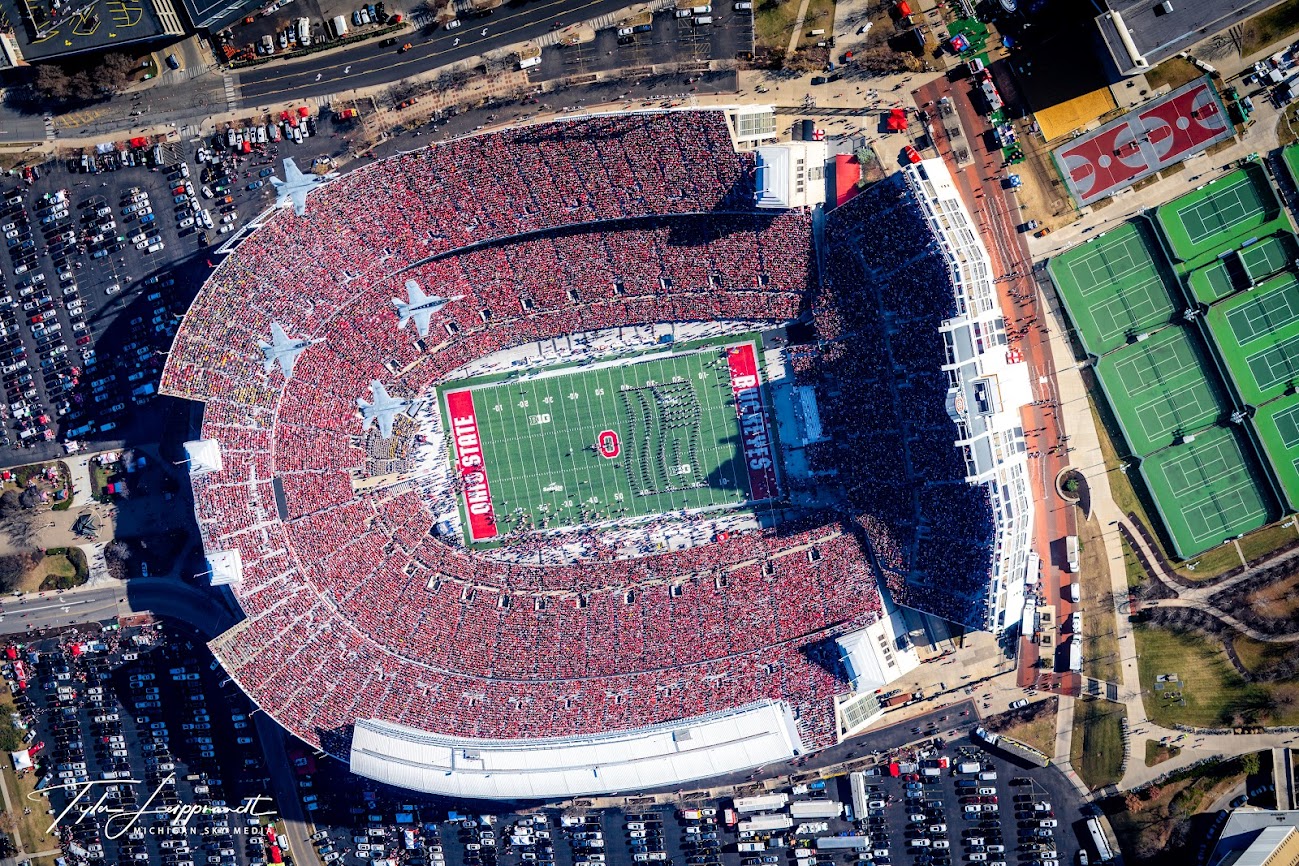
<point>42,31</point>
<point>1142,33</point>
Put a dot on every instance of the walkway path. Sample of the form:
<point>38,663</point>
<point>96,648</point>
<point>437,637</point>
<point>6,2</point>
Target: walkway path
<point>798,28</point>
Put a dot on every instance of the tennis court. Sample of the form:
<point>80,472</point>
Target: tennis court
<point>1114,286</point>
<point>1257,334</point>
<point>1207,490</point>
<point>1277,424</point>
<point>1269,256</point>
<point>1212,282</point>
<point>1208,218</point>
<point>1160,389</point>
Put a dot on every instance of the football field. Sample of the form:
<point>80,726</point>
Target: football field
<point>639,436</point>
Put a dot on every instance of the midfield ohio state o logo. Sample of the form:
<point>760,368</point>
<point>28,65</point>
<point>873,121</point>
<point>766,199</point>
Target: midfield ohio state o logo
<point>608,444</point>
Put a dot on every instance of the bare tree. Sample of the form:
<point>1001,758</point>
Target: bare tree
<point>52,82</point>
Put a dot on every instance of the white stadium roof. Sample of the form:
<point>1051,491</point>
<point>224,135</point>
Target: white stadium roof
<point>661,755</point>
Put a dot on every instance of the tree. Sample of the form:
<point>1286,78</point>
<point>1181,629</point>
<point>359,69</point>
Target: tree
<point>84,87</point>
<point>10,739</point>
<point>14,567</point>
<point>52,82</point>
<point>114,72</point>
<point>1250,764</point>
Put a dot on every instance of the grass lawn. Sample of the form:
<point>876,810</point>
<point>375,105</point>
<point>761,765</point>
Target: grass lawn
<point>1097,748</point>
<point>1213,693</point>
<point>1174,72</point>
<point>1157,752</point>
<point>1145,834</point>
<point>820,16</point>
<point>1100,638</point>
<point>1136,573</point>
<point>1039,733</point>
<point>773,22</point>
<point>1287,128</point>
<point>31,828</point>
<point>1257,655</point>
<point>1211,563</point>
<point>1269,538</point>
<point>1271,26</point>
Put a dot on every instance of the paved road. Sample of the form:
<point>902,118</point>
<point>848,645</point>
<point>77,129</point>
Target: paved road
<point>172,598</point>
<point>55,610</point>
<point>370,64</point>
<point>285,788</point>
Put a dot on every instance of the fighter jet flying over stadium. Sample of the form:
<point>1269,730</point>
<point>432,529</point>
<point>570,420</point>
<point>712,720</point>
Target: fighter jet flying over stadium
<point>282,350</point>
<point>384,408</point>
<point>295,186</point>
<point>419,308</point>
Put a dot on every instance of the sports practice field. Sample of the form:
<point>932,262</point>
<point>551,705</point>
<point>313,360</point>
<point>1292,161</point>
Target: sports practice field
<point>1277,424</point>
<point>1205,220</point>
<point>1114,286</point>
<point>1207,490</point>
<point>590,444</point>
<point>1258,336</point>
<point>1159,388</point>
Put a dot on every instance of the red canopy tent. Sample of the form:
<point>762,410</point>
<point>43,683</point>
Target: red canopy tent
<point>847,171</point>
<point>303,111</point>
<point>904,8</point>
<point>897,120</point>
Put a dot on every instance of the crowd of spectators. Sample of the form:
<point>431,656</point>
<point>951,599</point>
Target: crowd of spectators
<point>360,604</point>
<point>882,302</point>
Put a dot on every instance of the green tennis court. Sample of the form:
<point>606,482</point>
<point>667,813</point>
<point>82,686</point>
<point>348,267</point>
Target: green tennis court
<point>1257,335</point>
<point>1277,424</point>
<point>1229,207</point>
<point>1211,283</point>
<point>1269,256</point>
<point>1160,388</point>
<point>1114,286</point>
<point>1207,490</point>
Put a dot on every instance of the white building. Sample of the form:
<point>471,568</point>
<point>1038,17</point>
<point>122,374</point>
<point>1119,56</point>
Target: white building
<point>873,657</point>
<point>990,383</point>
<point>667,754</point>
<point>790,175</point>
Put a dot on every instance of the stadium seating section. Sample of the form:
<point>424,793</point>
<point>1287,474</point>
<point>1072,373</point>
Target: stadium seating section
<point>356,606</point>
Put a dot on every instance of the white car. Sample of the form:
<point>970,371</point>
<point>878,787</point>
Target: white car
<point>153,248</point>
<point>186,222</point>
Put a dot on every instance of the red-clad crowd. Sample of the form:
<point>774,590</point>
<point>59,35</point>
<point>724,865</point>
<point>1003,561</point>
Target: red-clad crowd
<point>358,604</point>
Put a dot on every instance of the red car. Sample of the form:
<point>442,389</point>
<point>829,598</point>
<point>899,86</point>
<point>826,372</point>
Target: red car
<point>83,339</point>
<point>37,319</point>
<point>910,153</point>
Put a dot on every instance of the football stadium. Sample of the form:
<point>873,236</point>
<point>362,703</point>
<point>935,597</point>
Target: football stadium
<point>543,462</point>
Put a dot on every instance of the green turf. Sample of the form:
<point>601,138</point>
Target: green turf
<point>1161,387</point>
<point>1114,286</point>
<point>1257,334</point>
<point>1211,283</point>
<point>1207,219</point>
<point>1277,424</point>
<point>1207,490</point>
<point>673,413</point>
<point>1290,156</point>
<point>1269,256</point>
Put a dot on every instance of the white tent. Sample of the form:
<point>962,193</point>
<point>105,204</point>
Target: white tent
<point>204,455</point>
<point>22,760</point>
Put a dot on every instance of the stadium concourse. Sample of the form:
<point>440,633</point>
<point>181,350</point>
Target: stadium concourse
<point>377,631</point>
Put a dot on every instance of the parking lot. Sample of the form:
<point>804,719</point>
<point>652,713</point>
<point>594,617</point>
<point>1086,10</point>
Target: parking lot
<point>922,816</point>
<point>670,39</point>
<point>106,250</point>
<point>151,720</point>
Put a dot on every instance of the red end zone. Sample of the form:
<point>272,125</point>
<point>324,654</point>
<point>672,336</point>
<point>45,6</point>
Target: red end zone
<point>469,460</point>
<point>753,421</point>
